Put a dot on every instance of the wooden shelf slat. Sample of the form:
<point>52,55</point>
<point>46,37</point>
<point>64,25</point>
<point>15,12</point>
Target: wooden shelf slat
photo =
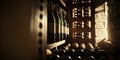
<point>63,3</point>
<point>51,46</point>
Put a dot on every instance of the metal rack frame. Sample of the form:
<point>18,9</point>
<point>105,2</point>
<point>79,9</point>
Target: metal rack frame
<point>41,16</point>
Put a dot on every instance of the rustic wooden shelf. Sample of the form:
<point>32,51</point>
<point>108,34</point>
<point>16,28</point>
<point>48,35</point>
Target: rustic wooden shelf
<point>51,46</point>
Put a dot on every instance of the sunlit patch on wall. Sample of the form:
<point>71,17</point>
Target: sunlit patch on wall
<point>101,21</point>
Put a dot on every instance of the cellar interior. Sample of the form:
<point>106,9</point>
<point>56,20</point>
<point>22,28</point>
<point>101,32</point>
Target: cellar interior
<point>60,30</point>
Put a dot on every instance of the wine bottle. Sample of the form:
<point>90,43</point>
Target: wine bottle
<point>51,27</point>
<point>78,58</point>
<point>57,22</point>
<point>91,58</point>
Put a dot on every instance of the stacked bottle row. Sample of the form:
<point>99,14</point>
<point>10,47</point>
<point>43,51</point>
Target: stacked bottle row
<point>82,35</point>
<point>58,28</point>
<point>78,53</point>
<point>82,24</point>
<point>81,12</point>
<point>82,8</point>
<point>82,17</point>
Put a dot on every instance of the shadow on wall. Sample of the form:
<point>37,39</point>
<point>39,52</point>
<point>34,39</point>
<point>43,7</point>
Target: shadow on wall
<point>106,45</point>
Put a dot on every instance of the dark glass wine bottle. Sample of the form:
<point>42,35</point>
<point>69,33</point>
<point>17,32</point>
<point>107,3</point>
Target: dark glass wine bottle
<point>102,53</point>
<point>51,27</point>
<point>67,57</point>
<point>57,22</point>
<point>78,58</point>
<point>91,58</point>
<point>65,29</point>
<point>80,52</point>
